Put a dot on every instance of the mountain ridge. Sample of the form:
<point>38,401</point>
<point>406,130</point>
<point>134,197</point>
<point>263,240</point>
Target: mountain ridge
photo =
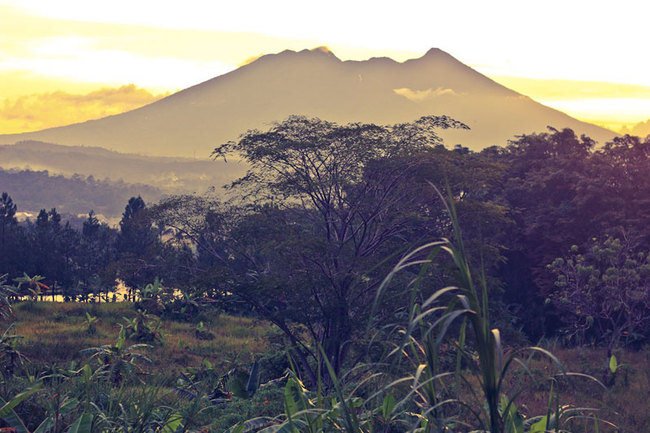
<point>171,175</point>
<point>316,83</point>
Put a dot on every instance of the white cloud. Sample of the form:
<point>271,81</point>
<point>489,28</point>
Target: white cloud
<point>426,94</point>
<point>621,110</point>
<point>579,39</point>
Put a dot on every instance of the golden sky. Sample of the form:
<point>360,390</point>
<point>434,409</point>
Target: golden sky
<point>71,60</point>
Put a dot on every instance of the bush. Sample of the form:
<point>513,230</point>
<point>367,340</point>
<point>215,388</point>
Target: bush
<point>604,294</point>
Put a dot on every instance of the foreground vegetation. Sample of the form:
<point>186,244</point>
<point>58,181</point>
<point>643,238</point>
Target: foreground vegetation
<point>327,241</point>
<point>54,335</point>
<point>70,366</point>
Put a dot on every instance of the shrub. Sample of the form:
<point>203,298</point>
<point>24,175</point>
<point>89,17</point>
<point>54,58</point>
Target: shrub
<point>604,294</point>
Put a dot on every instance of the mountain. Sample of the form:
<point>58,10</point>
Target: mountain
<point>169,175</point>
<point>641,129</point>
<point>73,196</point>
<point>192,122</point>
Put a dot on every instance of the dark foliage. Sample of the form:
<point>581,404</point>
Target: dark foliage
<point>326,210</point>
<point>70,195</point>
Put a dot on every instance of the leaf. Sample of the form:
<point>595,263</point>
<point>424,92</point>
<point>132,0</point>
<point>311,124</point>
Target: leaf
<point>173,423</point>
<point>83,424</point>
<point>253,379</point>
<point>7,411</point>
<point>236,384</point>
<point>387,406</point>
<point>613,364</point>
<point>45,426</point>
<point>294,396</point>
<point>48,423</point>
<point>351,422</point>
<point>19,398</point>
<point>239,428</point>
<point>512,419</point>
<point>121,338</point>
<point>539,426</point>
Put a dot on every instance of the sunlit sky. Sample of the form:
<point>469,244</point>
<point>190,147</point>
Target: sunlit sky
<point>68,60</point>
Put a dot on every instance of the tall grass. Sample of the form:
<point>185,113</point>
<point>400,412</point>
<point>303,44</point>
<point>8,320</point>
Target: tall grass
<point>478,394</point>
<point>489,362</point>
<point>446,369</point>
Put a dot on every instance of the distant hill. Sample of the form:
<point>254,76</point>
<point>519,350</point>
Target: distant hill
<point>169,175</point>
<point>192,122</point>
<point>77,195</point>
<point>641,129</point>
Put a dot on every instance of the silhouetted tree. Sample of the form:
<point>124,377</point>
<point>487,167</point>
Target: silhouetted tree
<point>8,221</point>
<point>95,253</point>
<point>137,245</point>
<point>333,202</point>
<point>541,189</point>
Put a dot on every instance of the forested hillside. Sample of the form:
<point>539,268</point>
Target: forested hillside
<point>75,195</point>
<point>171,175</point>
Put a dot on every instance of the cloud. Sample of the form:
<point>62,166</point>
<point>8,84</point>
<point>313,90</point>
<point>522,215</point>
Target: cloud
<point>44,110</point>
<point>616,106</point>
<point>162,57</point>
<point>573,89</point>
<point>424,95</point>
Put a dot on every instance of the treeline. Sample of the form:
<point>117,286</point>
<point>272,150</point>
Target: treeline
<point>73,195</point>
<point>557,226</point>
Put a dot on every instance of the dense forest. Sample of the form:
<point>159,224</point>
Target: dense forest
<point>169,175</point>
<point>337,231</point>
<point>73,195</point>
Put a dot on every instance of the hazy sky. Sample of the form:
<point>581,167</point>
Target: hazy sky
<point>587,58</point>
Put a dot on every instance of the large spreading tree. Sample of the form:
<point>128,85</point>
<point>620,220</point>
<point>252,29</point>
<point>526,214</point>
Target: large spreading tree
<point>336,202</point>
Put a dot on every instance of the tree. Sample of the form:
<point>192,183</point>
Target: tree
<point>95,253</point>
<point>136,246</point>
<point>544,173</point>
<point>604,294</point>
<point>542,189</point>
<point>7,214</point>
<point>180,222</point>
<point>52,247</point>
<point>91,226</point>
<point>7,221</point>
<point>135,229</point>
<point>619,188</point>
<point>330,202</point>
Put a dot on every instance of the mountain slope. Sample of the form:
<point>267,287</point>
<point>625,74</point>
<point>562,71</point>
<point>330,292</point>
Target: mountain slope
<point>170,175</point>
<point>316,83</point>
<point>76,195</point>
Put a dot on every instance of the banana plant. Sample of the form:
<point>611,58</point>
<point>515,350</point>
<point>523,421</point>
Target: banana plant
<point>6,293</point>
<point>10,357</point>
<point>91,324</point>
<point>119,360</point>
<point>7,413</point>
<point>33,284</point>
<point>241,384</point>
<point>143,328</point>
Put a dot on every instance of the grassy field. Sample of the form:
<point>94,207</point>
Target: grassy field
<point>55,333</point>
<point>625,400</point>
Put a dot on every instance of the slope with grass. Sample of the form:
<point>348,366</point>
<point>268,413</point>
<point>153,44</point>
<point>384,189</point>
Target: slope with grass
<point>57,332</point>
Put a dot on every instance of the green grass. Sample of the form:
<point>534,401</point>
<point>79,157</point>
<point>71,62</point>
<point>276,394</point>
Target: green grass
<point>627,399</point>
<point>57,332</point>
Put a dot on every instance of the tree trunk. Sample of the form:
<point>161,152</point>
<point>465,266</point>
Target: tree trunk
<point>337,334</point>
